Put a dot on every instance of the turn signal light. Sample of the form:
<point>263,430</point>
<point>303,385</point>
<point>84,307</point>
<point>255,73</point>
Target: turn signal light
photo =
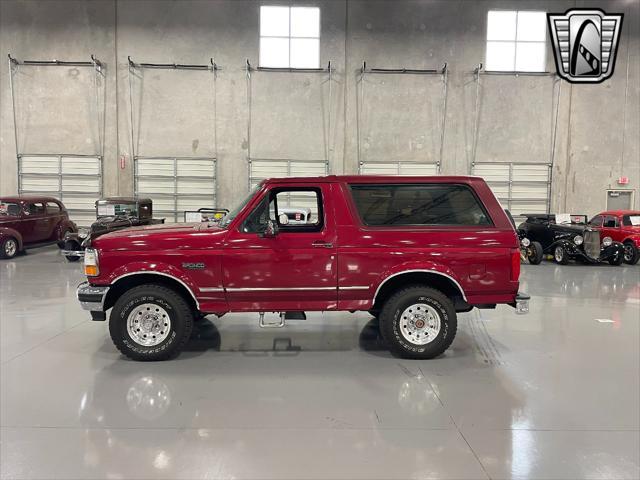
<point>91,270</point>
<point>91,262</point>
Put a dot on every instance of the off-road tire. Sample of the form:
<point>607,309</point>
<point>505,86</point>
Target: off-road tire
<point>4,248</point>
<point>635,256</point>
<point>535,253</point>
<point>564,258</point>
<point>617,259</point>
<point>390,320</point>
<point>172,302</point>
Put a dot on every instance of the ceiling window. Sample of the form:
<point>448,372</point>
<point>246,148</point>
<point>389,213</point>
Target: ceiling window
<point>516,41</point>
<point>289,37</point>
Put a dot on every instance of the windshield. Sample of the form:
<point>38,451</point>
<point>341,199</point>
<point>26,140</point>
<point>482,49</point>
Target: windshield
<point>12,209</point>
<point>116,209</point>
<point>234,213</point>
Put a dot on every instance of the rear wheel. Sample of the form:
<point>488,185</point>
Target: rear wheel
<point>9,248</point>
<point>631,253</point>
<point>560,255</point>
<point>535,253</point>
<point>150,323</point>
<point>418,322</point>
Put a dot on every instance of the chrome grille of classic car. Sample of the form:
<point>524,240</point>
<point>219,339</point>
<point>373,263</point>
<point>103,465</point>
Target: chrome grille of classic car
<point>592,243</point>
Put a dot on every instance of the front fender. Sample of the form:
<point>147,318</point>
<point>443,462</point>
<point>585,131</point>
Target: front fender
<point>153,268</point>
<point>568,245</point>
<point>6,232</point>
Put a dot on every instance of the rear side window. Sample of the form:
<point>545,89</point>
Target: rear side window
<point>53,208</point>
<point>36,209</point>
<point>424,204</point>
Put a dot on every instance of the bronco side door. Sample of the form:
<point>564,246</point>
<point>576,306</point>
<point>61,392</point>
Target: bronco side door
<point>289,268</point>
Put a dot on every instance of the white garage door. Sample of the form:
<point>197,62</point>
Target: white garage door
<point>75,180</point>
<point>176,184</point>
<point>398,168</point>
<point>262,169</point>
<point>520,187</point>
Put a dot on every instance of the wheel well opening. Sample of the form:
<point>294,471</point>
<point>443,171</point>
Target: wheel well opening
<point>127,283</point>
<point>431,280</point>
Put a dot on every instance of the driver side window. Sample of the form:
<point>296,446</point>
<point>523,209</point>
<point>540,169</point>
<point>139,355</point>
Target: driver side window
<point>302,207</point>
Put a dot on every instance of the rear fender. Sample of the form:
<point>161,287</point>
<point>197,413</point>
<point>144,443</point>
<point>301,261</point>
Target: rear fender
<point>6,232</point>
<point>62,227</point>
<point>411,267</point>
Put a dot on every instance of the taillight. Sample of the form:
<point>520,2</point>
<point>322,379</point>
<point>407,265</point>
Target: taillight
<point>515,264</point>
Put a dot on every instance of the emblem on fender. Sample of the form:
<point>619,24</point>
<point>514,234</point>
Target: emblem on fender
<point>193,266</point>
<point>585,43</point>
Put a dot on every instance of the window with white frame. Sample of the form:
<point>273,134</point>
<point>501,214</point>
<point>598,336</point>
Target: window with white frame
<point>289,37</point>
<point>516,41</point>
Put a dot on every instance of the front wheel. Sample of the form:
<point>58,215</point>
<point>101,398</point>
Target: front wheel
<point>418,323</point>
<point>535,253</point>
<point>61,241</point>
<point>617,259</point>
<point>150,323</point>
<point>631,253</point>
<point>9,248</point>
<point>72,246</point>
<point>560,255</point>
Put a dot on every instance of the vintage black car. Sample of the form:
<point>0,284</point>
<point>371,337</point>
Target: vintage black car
<point>567,237</point>
<point>530,251</point>
<point>113,213</point>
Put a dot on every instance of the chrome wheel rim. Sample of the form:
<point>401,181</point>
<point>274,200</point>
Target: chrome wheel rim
<point>420,324</point>
<point>558,254</point>
<point>148,324</point>
<point>628,252</point>
<point>10,247</point>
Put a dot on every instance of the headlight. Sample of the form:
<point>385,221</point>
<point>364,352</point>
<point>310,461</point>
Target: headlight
<point>91,262</point>
<point>606,241</point>
<point>525,242</point>
<point>578,239</point>
<point>83,232</point>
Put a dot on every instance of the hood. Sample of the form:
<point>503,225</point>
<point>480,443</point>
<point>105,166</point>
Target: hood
<point>162,237</point>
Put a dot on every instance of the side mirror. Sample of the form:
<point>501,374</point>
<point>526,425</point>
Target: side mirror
<point>283,219</point>
<point>270,231</point>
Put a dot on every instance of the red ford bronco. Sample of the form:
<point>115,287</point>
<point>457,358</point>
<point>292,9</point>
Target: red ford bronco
<point>412,251</point>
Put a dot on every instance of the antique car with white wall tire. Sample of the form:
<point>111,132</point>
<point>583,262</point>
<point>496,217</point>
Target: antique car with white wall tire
<point>568,237</point>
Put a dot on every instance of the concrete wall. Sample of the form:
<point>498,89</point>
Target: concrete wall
<point>192,113</point>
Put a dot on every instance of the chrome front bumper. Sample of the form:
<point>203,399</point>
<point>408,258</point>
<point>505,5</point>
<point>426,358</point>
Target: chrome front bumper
<point>92,297</point>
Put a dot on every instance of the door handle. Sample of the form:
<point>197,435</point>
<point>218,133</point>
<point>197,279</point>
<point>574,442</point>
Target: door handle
<point>322,244</point>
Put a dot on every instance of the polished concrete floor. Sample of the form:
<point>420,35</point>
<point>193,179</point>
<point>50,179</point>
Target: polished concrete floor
<point>551,395</point>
